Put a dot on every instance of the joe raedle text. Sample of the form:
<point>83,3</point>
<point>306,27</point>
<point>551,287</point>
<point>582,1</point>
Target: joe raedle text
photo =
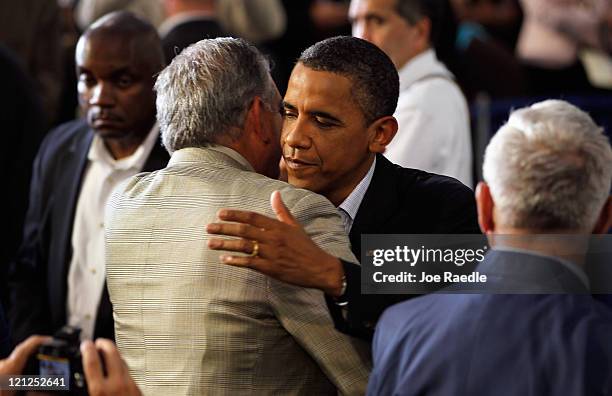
<point>423,277</point>
<point>421,265</point>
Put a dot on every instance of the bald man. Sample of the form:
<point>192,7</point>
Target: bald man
<point>58,277</point>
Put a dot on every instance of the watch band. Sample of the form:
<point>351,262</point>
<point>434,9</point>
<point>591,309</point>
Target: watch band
<point>342,300</point>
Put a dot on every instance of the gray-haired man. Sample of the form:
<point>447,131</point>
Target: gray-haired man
<point>185,323</point>
<point>547,171</point>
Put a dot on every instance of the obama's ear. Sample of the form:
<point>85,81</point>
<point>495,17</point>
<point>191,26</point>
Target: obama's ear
<point>382,132</point>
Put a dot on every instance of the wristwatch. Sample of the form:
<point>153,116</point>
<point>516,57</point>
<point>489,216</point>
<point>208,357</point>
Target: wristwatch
<point>342,300</point>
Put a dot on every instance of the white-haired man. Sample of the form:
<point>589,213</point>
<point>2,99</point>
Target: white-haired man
<point>186,323</point>
<point>547,171</point>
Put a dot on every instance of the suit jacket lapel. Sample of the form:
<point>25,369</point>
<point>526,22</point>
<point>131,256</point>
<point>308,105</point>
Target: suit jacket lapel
<point>379,204</point>
<point>66,192</point>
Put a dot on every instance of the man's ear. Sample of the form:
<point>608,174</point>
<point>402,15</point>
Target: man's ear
<point>382,132</point>
<point>604,222</point>
<point>485,205</point>
<point>424,33</point>
<point>255,120</point>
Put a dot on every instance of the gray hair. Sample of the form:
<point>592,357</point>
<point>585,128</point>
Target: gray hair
<point>549,168</point>
<point>204,94</point>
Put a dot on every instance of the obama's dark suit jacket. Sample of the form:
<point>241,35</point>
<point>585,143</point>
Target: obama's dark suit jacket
<point>400,201</point>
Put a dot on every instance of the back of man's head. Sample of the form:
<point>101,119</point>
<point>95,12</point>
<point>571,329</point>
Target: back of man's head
<point>204,94</point>
<point>373,75</point>
<point>549,168</point>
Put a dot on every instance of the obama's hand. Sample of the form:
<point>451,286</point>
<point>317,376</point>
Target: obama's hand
<point>279,248</point>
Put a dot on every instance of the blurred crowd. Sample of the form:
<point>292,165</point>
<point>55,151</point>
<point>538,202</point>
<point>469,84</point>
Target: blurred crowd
<point>539,46</point>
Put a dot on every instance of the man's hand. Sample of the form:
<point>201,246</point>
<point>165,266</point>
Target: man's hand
<point>285,251</point>
<point>14,364</point>
<point>118,380</point>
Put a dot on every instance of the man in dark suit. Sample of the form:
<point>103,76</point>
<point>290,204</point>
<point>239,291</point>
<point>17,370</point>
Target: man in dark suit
<point>557,181</point>
<point>58,276</point>
<point>338,120</point>
<point>188,21</point>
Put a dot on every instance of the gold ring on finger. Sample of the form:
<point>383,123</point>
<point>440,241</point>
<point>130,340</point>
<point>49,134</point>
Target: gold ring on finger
<point>255,251</point>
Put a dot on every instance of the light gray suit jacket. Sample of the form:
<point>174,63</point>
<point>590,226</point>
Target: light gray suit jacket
<point>187,324</point>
